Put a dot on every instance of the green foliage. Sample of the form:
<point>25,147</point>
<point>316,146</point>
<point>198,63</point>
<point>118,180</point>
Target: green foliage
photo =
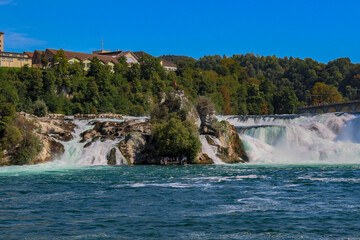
<point>239,84</point>
<point>205,106</point>
<point>40,108</point>
<point>29,147</point>
<point>7,112</point>
<point>222,126</point>
<point>168,109</point>
<point>11,137</point>
<point>18,138</point>
<point>176,138</point>
<point>285,101</point>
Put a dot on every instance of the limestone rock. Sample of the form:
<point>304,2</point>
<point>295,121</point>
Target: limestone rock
<point>203,158</point>
<point>51,149</point>
<point>133,148</point>
<point>112,157</point>
<point>229,145</point>
<point>101,115</point>
<point>50,128</point>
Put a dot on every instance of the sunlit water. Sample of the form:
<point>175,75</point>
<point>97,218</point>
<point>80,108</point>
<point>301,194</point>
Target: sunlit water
<point>182,202</point>
<point>302,182</point>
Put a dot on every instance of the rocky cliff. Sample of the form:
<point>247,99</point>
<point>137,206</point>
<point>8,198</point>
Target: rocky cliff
<point>221,135</point>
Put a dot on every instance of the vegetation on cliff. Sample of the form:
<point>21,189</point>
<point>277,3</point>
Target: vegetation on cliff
<point>176,138</point>
<point>174,129</point>
<point>18,141</point>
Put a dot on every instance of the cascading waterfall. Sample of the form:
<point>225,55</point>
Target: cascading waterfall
<point>96,154</point>
<point>210,150</point>
<point>284,139</point>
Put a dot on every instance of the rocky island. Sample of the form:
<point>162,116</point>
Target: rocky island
<point>177,132</point>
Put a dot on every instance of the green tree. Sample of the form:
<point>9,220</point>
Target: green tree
<point>176,139</point>
<point>323,93</point>
<point>285,101</point>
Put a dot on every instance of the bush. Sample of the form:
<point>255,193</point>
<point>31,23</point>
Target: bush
<point>205,106</point>
<point>168,109</point>
<point>40,108</point>
<point>221,127</point>
<point>12,137</point>
<point>176,139</point>
<point>7,112</point>
<point>29,148</point>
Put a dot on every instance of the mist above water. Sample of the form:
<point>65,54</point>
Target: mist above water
<point>299,139</point>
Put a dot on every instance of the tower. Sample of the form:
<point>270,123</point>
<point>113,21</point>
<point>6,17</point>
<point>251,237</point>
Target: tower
<point>1,41</point>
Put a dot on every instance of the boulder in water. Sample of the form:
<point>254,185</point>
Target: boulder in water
<point>111,158</point>
<point>133,148</point>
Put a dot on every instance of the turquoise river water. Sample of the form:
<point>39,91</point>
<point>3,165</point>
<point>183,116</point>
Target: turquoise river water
<point>182,202</point>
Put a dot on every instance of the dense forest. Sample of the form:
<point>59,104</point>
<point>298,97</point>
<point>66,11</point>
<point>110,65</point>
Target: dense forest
<point>240,84</point>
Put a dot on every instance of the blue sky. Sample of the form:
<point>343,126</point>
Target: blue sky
<point>322,30</point>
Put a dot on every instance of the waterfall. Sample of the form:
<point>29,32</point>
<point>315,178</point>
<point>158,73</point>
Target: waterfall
<point>294,139</point>
<point>96,154</point>
<point>210,150</point>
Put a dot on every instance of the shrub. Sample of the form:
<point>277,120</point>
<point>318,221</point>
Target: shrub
<point>205,106</point>
<point>29,148</point>
<point>221,127</point>
<point>40,108</point>
<point>168,109</point>
<point>12,137</point>
<point>176,139</point>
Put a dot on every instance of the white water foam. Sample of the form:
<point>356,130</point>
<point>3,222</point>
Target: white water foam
<point>299,139</point>
<point>210,150</point>
<point>75,155</point>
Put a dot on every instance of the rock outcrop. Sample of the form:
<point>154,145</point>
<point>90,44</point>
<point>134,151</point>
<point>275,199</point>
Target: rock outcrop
<point>51,149</point>
<point>133,148</point>
<point>175,102</point>
<point>111,130</point>
<point>111,158</point>
<point>135,134</point>
<point>100,115</point>
<point>49,129</point>
<point>228,143</point>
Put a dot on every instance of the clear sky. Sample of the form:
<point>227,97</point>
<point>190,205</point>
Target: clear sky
<point>320,29</point>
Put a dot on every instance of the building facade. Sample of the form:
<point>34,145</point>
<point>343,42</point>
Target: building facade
<point>11,59</point>
<point>72,57</point>
<point>1,41</point>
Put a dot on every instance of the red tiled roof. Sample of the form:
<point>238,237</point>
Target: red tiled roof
<point>30,54</point>
<point>85,56</point>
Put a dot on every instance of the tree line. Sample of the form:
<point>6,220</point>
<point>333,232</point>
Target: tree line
<point>240,84</point>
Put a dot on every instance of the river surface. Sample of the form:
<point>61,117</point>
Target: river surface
<point>181,202</point>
